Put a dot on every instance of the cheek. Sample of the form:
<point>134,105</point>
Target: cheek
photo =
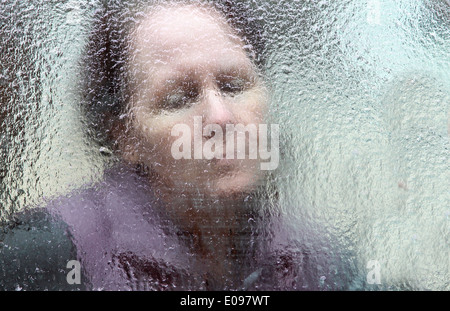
<point>154,134</point>
<point>251,107</point>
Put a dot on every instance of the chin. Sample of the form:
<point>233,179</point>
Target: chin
<point>224,181</point>
<point>235,185</point>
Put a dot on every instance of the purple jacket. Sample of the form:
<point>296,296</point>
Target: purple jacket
<point>124,241</point>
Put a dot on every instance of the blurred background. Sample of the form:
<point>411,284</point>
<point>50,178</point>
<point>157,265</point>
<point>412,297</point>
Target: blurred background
<point>360,88</point>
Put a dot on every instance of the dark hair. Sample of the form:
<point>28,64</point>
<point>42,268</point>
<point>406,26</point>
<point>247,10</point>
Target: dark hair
<point>104,78</point>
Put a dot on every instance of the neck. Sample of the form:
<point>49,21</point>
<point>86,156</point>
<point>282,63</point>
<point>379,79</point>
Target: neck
<point>218,229</point>
<point>196,213</point>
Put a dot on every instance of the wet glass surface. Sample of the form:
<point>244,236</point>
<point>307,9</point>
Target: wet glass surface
<point>359,200</point>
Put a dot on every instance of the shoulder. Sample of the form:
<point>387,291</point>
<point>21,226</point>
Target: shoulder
<point>35,248</point>
<point>117,215</point>
<point>297,260</point>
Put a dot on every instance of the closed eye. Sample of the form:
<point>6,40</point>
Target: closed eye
<point>232,85</point>
<point>181,97</point>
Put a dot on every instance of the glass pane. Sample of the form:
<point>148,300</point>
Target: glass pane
<point>222,145</point>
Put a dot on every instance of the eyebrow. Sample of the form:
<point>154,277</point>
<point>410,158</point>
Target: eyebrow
<point>163,79</point>
<point>184,73</point>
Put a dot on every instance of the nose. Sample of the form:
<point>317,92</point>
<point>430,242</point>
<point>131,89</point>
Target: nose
<point>217,110</point>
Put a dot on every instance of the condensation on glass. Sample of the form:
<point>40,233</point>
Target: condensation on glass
<point>360,90</point>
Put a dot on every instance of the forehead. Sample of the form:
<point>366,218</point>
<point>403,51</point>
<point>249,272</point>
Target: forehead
<point>184,35</point>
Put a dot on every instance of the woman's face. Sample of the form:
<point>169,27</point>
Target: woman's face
<point>188,65</point>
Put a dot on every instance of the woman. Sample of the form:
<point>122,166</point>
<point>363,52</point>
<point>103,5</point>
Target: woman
<point>178,61</point>
<point>160,223</point>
